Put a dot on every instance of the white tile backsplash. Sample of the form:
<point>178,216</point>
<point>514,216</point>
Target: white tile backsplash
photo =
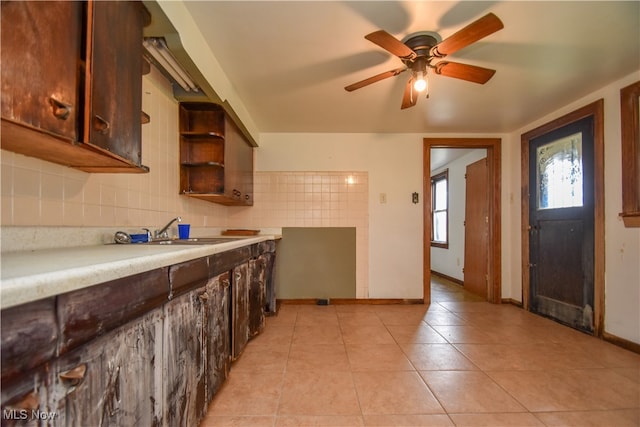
<point>36,193</point>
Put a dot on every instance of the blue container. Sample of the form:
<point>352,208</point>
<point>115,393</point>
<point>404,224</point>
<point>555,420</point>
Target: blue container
<point>139,238</point>
<point>183,231</point>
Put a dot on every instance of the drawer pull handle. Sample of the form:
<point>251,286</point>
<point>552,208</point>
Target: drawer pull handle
<point>101,125</point>
<point>74,376</point>
<point>28,402</point>
<point>61,110</point>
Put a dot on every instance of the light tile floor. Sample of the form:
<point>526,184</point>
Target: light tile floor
<point>459,361</point>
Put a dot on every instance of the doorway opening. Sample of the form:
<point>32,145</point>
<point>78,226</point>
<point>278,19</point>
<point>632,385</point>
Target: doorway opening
<point>492,146</point>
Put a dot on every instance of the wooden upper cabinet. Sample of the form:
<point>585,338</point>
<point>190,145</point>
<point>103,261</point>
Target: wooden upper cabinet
<point>216,160</point>
<point>72,83</point>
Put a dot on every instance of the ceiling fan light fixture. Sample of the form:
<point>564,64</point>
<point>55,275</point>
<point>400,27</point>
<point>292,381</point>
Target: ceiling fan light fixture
<point>418,50</point>
<point>420,84</point>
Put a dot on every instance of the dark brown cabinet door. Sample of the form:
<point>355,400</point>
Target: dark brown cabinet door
<point>114,86</point>
<point>217,333</point>
<point>184,359</point>
<point>238,179</point>
<point>41,45</point>
<point>240,309</point>
<point>114,380</point>
<point>257,294</point>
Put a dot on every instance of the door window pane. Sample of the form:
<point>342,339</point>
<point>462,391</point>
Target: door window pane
<point>559,173</point>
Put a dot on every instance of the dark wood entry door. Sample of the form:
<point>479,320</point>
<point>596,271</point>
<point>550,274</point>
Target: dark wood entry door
<point>561,215</point>
<point>476,229</point>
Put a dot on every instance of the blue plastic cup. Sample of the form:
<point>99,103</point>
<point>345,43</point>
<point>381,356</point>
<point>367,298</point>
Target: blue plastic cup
<point>183,231</point>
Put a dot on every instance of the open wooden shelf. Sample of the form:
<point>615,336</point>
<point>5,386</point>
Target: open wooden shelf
<point>216,162</point>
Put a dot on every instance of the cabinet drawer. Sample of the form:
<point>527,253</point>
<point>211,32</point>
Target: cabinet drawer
<point>263,247</point>
<point>225,261</point>
<point>91,312</point>
<point>188,275</point>
<point>28,336</point>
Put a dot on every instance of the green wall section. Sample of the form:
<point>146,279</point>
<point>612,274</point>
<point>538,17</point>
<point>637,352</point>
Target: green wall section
<point>316,263</point>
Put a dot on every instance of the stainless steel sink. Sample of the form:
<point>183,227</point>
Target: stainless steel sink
<point>193,241</point>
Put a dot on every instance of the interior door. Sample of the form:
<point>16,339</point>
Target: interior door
<point>561,212</point>
<point>476,230</point>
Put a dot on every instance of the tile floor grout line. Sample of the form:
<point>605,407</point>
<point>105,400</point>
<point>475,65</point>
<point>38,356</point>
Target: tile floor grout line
<point>614,368</point>
<point>285,370</point>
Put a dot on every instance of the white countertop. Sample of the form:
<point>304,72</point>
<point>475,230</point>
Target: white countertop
<point>31,275</point>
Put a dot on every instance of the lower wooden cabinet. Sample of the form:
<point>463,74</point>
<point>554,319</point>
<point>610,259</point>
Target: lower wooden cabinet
<point>183,359</point>
<point>218,337</point>
<point>110,381</point>
<point>196,350</point>
<point>114,379</point>
<point>257,293</point>
<point>160,368</point>
<point>240,309</point>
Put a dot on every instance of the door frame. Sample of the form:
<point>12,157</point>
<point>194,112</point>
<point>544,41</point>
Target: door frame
<point>494,159</point>
<point>595,109</point>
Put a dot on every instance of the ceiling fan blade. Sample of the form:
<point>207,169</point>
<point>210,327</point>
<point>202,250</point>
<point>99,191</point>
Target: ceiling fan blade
<point>374,79</point>
<point>471,73</point>
<point>473,32</point>
<point>391,44</point>
<point>410,97</point>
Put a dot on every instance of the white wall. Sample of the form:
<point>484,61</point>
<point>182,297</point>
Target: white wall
<point>450,261</point>
<point>394,165</point>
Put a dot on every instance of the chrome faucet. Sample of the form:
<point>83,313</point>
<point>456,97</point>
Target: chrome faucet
<point>162,233</point>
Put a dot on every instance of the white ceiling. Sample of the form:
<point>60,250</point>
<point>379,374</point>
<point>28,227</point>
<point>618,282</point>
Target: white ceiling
<point>290,60</point>
<point>443,156</point>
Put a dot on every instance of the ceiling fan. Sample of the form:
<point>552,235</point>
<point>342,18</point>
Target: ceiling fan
<point>417,51</point>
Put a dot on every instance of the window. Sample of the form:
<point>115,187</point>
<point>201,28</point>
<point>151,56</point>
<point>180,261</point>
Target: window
<point>440,210</point>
